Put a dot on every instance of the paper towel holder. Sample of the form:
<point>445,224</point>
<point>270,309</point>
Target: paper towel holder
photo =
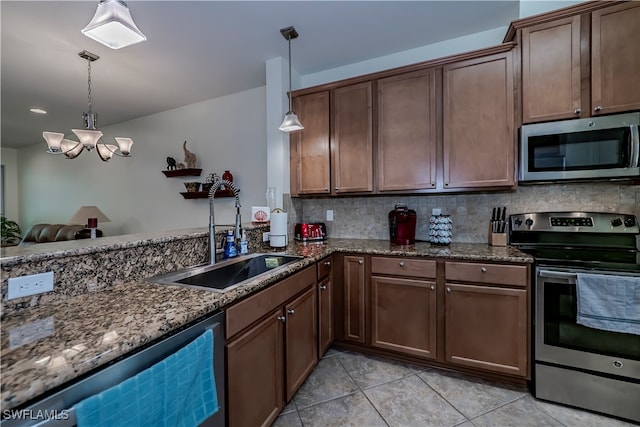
<point>281,239</point>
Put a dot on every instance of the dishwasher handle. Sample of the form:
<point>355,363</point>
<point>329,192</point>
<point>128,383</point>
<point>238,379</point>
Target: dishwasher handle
<point>558,275</point>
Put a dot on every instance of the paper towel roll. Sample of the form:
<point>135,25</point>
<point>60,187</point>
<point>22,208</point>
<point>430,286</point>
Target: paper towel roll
<point>278,233</point>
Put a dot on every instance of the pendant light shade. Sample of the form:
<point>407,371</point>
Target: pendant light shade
<point>290,123</point>
<point>113,26</point>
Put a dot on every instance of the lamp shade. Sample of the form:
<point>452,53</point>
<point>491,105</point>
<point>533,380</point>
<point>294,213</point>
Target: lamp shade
<point>86,212</point>
<point>71,149</point>
<point>124,144</point>
<point>53,140</point>
<point>89,138</point>
<point>105,151</point>
<point>113,26</point>
<point>290,123</point>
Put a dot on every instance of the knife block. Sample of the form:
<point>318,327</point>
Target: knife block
<point>497,239</point>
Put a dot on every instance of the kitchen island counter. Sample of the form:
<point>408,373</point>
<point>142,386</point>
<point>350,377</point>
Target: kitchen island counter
<point>46,346</point>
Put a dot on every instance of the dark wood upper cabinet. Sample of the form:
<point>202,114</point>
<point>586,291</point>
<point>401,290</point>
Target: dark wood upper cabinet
<point>551,73</point>
<point>407,132</point>
<point>352,141</point>
<point>615,58</point>
<point>478,122</point>
<point>309,148</point>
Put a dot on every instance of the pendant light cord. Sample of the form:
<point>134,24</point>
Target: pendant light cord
<point>290,101</point>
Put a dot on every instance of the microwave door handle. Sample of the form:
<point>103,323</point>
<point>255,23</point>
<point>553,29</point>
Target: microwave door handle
<point>635,146</point>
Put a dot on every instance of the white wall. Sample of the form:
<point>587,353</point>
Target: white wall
<point>9,158</point>
<point>225,133</point>
<point>436,50</point>
<point>535,7</point>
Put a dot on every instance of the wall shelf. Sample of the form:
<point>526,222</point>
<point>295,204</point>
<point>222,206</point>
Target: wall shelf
<point>205,194</point>
<point>182,172</point>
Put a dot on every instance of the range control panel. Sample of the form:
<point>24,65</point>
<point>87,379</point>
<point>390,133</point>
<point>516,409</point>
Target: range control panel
<point>559,221</point>
<point>575,222</point>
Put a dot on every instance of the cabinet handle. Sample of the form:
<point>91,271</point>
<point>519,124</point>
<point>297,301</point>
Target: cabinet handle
<point>577,111</point>
<point>597,108</point>
<point>327,263</point>
<point>282,319</point>
<point>401,263</point>
<point>433,287</point>
<point>323,287</point>
<point>483,269</point>
<point>360,261</point>
<point>291,311</point>
<point>448,290</point>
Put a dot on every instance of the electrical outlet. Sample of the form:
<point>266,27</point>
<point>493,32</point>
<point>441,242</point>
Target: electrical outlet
<point>265,236</point>
<point>30,285</point>
<point>329,215</point>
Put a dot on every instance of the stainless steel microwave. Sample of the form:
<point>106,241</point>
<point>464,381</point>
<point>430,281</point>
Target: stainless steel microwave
<point>597,148</point>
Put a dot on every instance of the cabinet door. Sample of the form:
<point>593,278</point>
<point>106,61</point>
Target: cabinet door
<point>255,364</point>
<point>352,143</point>
<point>479,142</point>
<point>301,340</point>
<point>615,59</point>
<point>325,316</point>
<point>486,328</point>
<point>354,298</point>
<point>309,148</point>
<point>407,132</point>
<point>551,71</point>
<point>403,315</point>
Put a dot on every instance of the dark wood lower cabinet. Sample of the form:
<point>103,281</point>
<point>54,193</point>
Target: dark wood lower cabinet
<point>301,338</point>
<point>325,315</point>
<point>255,368</point>
<point>486,328</point>
<point>354,298</point>
<point>403,315</point>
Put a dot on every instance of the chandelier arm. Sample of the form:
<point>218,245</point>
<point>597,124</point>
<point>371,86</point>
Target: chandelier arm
<point>55,153</point>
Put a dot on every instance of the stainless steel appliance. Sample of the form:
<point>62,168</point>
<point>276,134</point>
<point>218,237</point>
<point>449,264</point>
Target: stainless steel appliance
<point>577,365</point>
<point>58,409</point>
<point>606,147</point>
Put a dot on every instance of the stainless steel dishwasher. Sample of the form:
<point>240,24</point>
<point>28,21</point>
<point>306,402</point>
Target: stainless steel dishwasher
<point>58,409</point>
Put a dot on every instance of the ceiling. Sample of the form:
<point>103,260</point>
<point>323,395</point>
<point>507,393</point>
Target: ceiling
<point>198,50</point>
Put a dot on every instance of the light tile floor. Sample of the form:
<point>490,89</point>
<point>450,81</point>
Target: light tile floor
<point>351,389</point>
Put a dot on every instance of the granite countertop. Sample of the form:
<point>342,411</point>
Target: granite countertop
<point>45,347</point>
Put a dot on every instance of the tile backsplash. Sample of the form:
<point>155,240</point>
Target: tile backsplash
<point>366,217</point>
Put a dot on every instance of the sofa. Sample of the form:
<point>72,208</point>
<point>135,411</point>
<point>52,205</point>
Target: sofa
<point>41,233</point>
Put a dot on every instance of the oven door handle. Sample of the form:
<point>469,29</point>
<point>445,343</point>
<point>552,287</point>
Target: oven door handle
<point>557,275</point>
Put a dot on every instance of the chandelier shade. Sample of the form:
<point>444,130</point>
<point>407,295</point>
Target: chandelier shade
<point>113,26</point>
<point>89,137</point>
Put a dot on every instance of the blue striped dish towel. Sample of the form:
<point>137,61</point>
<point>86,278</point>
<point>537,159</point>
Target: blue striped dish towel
<point>608,302</point>
<point>177,391</point>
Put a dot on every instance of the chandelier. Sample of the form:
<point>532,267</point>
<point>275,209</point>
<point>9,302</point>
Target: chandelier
<point>89,137</point>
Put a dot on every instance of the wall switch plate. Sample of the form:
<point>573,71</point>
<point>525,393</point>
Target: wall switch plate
<point>30,285</point>
<point>329,215</point>
<point>265,236</point>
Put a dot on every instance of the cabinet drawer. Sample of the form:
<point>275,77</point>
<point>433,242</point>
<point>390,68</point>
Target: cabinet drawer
<point>244,313</point>
<point>403,267</point>
<point>486,273</point>
<point>324,268</point>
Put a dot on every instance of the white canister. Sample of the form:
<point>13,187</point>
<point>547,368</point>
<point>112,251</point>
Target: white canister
<point>278,233</point>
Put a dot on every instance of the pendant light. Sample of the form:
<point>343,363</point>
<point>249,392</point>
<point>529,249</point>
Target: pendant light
<point>113,26</point>
<point>89,137</point>
<point>290,123</point>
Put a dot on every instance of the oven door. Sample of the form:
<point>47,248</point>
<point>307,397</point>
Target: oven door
<point>562,341</point>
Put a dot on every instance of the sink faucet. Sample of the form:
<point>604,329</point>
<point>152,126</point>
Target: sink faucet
<point>212,222</point>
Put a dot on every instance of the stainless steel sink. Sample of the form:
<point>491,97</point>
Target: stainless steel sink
<point>226,274</point>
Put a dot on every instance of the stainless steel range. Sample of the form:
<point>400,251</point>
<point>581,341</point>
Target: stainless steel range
<point>587,267</point>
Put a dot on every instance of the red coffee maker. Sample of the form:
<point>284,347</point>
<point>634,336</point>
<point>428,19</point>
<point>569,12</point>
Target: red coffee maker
<point>402,225</point>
